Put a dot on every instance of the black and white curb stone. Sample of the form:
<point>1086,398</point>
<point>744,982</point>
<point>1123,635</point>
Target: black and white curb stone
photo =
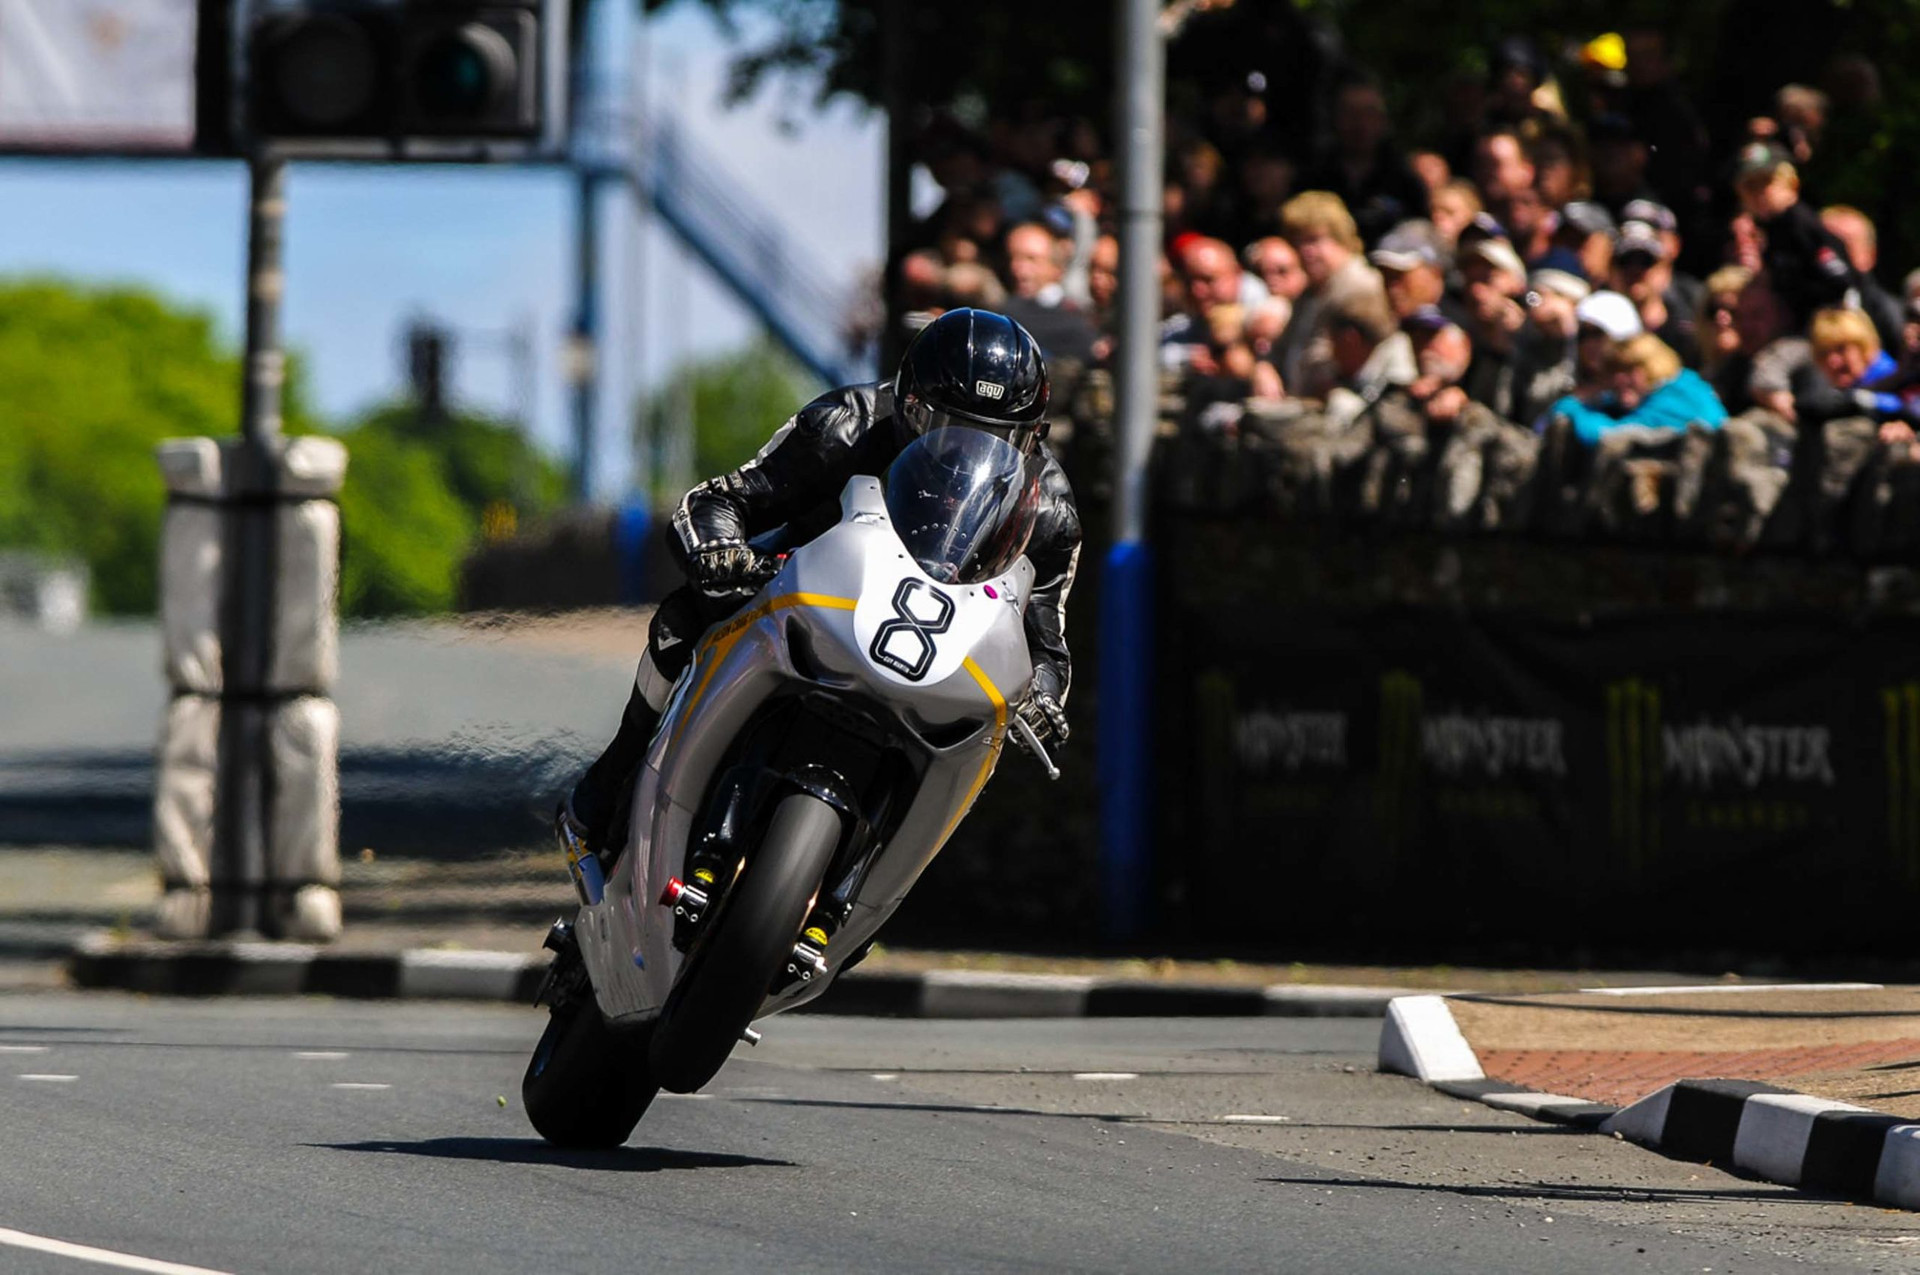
<point>289,969</point>
<point>292,969</point>
<point>1771,1133</point>
<point>1782,1136</point>
<point>1420,1039</point>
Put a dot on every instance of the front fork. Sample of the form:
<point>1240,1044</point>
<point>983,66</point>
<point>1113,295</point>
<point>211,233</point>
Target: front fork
<point>692,899</point>
<point>691,902</point>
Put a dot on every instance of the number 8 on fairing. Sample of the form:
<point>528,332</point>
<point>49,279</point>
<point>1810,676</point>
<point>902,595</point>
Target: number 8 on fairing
<point>905,643</point>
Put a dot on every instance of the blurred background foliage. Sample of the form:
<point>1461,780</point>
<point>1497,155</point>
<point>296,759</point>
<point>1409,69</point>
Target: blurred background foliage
<point>417,497</point>
<point>93,378</point>
<point>737,400</point>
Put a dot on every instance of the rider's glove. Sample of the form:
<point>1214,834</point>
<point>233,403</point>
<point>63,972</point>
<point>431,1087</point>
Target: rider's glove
<point>721,570</point>
<point>1048,720</point>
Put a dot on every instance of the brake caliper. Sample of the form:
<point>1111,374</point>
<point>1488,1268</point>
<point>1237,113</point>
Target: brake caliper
<point>689,900</point>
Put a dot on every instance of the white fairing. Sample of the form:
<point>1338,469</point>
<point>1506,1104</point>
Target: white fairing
<point>949,659</point>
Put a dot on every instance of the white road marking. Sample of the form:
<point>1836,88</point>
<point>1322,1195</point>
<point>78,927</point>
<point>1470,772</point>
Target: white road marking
<point>1246,1118</point>
<point>358,1084</point>
<point>686,1095</point>
<point>886,1075</point>
<point>321,1054</point>
<point>41,1075</point>
<point>104,1256</point>
<point>1106,1075</point>
<point>23,1049</point>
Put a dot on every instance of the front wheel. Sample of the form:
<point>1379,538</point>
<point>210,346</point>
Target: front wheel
<point>586,1084</point>
<point>728,975</point>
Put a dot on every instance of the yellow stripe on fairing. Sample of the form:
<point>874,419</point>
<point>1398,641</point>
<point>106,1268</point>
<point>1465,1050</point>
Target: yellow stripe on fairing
<point>999,703</point>
<point>714,647</point>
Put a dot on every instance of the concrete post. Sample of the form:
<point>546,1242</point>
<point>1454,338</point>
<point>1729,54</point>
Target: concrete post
<point>246,823</point>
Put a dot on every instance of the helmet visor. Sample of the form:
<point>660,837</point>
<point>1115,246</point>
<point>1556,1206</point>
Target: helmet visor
<point>963,504</point>
<point>923,418</point>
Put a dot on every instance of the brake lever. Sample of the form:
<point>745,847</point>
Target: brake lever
<point>1033,743</point>
<point>766,569</point>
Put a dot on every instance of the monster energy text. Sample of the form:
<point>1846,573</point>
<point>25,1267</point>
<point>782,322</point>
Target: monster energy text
<point>1288,740</point>
<point>1460,744</point>
<point>1708,752</point>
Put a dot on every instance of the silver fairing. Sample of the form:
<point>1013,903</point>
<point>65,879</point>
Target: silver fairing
<point>836,595</point>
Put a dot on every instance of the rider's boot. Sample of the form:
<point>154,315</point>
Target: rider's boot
<point>595,814</point>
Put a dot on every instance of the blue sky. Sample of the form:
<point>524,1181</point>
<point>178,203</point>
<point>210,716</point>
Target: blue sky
<point>483,248</point>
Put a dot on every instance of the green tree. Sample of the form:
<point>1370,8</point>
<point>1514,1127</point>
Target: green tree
<point>420,494</point>
<point>736,400</point>
<point>92,379</point>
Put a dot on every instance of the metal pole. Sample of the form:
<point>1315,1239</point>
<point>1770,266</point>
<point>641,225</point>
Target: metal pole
<point>1126,663</point>
<point>266,285</point>
<point>240,868</point>
<point>896,96</point>
<point>583,352</point>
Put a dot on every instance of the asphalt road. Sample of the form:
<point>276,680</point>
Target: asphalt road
<point>297,1136</point>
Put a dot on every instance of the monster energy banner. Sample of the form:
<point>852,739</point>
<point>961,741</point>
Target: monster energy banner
<point>1683,783</point>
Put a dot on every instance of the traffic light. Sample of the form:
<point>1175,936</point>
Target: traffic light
<point>356,69</point>
<point>427,369</point>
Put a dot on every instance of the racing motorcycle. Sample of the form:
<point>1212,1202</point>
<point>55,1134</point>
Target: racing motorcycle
<point>816,754</point>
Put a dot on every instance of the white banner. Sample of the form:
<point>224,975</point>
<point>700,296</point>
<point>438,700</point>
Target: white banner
<point>97,74</point>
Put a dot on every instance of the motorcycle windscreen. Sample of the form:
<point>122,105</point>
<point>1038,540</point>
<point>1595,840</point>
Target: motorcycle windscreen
<point>963,502</point>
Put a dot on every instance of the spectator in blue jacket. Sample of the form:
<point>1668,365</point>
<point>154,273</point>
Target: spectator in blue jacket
<point>1649,387</point>
<point>1853,376</point>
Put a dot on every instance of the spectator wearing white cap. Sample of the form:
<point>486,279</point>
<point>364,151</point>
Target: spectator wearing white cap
<point>1549,343</point>
<point>1495,279</point>
<point>1646,385</point>
<point>1643,270</point>
<point>1601,320</point>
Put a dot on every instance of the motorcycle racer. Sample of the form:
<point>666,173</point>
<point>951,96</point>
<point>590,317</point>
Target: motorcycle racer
<point>968,368</point>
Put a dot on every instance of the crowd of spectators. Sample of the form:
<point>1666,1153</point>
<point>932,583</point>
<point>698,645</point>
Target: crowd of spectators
<point>1574,247</point>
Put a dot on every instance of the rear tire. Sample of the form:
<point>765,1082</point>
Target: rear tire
<point>729,974</point>
<point>587,1084</point>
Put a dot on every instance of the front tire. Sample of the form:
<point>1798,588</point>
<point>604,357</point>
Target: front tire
<point>728,975</point>
<point>586,1084</point>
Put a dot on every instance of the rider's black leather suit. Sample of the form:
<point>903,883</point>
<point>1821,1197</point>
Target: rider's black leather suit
<point>795,483</point>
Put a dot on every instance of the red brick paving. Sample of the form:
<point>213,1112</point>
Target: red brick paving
<point>1619,1077</point>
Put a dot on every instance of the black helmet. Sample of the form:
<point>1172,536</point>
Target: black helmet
<point>977,369</point>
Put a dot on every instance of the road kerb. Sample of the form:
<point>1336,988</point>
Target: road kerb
<point>105,960</point>
<point>1762,1130</point>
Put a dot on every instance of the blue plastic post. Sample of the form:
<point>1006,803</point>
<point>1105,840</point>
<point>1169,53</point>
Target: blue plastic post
<point>1125,741</point>
<point>630,527</point>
